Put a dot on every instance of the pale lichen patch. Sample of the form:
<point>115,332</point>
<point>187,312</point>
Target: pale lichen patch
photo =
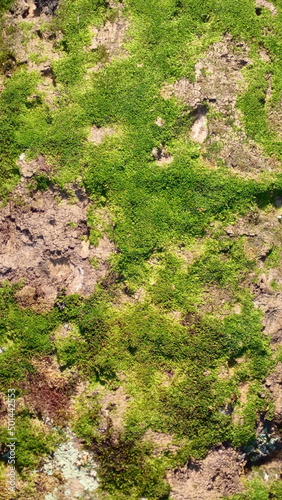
<point>77,468</point>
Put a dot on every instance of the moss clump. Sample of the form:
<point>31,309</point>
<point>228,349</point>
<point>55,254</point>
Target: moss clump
<point>146,325</point>
<point>259,490</point>
<point>34,441</point>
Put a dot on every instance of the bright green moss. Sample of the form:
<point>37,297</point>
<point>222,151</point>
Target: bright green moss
<point>259,490</point>
<point>14,103</point>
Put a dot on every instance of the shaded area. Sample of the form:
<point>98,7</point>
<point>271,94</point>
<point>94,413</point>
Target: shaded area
<point>47,6</point>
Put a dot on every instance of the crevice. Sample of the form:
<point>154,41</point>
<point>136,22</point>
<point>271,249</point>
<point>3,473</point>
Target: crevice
<point>59,261</point>
<point>46,6</point>
<point>25,13</point>
<point>242,63</point>
<point>36,12</point>
<point>48,72</point>
<point>39,34</point>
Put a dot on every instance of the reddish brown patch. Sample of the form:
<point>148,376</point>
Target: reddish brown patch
<point>47,393</point>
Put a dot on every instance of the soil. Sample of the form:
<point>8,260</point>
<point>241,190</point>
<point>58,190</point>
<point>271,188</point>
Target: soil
<point>216,476</point>
<point>44,241</point>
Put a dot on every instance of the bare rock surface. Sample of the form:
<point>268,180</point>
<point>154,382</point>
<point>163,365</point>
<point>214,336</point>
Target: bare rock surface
<point>159,121</point>
<point>275,118</point>
<point>270,302</point>
<point>263,232</point>
<point>114,406</point>
<point>31,45</point>
<point>273,384</point>
<point>216,300</point>
<point>44,240</point>
<point>218,76</point>
<point>216,476</point>
<point>266,5</point>
<point>218,83</point>
<point>111,36</point>
<point>243,155</point>
<point>161,442</point>
<point>199,130</point>
<point>30,8</point>
<point>98,134</point>
<point>162,156</point>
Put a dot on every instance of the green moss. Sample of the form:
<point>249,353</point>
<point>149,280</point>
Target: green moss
<point>259,490</point>
<point>23,334</point>
<point>42,182</point>
<point>164,347</point>
<point>33,442</point>
<point>126,468</point>
<point>86,425</point>
<point>74,19</point>
<point>14,104</point>
<point>273,258</point>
